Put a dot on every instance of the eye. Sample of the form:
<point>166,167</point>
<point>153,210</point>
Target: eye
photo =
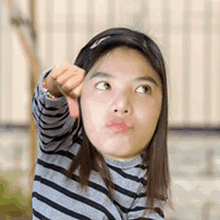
<point>102,82</point>
<point>147,87</point>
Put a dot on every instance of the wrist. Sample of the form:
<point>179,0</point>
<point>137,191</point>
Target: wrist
<point>49,94</point>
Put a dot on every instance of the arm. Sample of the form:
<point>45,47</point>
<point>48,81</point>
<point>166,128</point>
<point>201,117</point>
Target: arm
<point>51,115</point>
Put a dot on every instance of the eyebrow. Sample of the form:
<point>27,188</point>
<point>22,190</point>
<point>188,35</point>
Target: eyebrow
<point>107,75</point>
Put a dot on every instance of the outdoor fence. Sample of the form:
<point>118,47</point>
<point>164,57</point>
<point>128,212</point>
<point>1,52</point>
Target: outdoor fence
<point>187,32</point>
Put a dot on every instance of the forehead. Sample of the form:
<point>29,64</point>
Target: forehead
<point>122,51</point>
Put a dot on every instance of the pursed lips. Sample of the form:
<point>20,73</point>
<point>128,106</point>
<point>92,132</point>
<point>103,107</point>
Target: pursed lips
<point>120,122</point>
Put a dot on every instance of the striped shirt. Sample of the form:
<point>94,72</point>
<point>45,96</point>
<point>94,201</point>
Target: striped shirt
<point>55,196</point>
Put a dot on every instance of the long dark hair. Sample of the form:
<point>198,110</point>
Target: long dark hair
<point>155,153</point>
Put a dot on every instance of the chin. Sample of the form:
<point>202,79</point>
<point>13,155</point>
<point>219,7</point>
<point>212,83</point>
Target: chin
<point>120,157</point>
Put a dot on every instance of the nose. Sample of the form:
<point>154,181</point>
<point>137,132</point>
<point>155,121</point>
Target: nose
<point>122,106</point>
<point>125,111</point>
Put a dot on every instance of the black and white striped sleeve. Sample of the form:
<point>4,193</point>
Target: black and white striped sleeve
<point>52,117</point>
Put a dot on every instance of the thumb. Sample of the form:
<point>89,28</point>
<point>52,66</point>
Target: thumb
<point>73,107</point>
<point>72,100</point>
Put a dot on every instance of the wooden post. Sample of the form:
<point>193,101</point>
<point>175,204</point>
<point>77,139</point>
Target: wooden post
<point>30,53</point>
<point>34,75</point>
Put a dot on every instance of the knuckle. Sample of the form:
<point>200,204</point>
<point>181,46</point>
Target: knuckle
<point>58,81</point>
<point>73,94</point>
<point>82,71</point>
<point>78,69</point>
<point>67,86</point>
<point>53,76</point>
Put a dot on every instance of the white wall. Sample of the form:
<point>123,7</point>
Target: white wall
<point>162,20</point>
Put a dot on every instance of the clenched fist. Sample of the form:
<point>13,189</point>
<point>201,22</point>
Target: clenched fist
<point>67,79</point>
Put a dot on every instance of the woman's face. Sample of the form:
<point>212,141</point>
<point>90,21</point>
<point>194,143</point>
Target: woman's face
<point>121,96</point>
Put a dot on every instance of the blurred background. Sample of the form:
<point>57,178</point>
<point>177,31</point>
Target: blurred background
<point>35,35</point>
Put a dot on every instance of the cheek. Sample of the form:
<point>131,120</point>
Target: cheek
<point>151,105</point>
<point>89,93</point>
<point>93,111</point>
<point>93,100</point>
<point>151,112</point>
<point>157,103</point>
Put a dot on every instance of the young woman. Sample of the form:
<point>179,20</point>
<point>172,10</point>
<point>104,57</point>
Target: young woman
<point>102,125</point>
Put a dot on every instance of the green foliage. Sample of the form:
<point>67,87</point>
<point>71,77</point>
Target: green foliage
<point>12,203</point>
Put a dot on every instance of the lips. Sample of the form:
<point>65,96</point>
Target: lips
<point>119,123</point>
